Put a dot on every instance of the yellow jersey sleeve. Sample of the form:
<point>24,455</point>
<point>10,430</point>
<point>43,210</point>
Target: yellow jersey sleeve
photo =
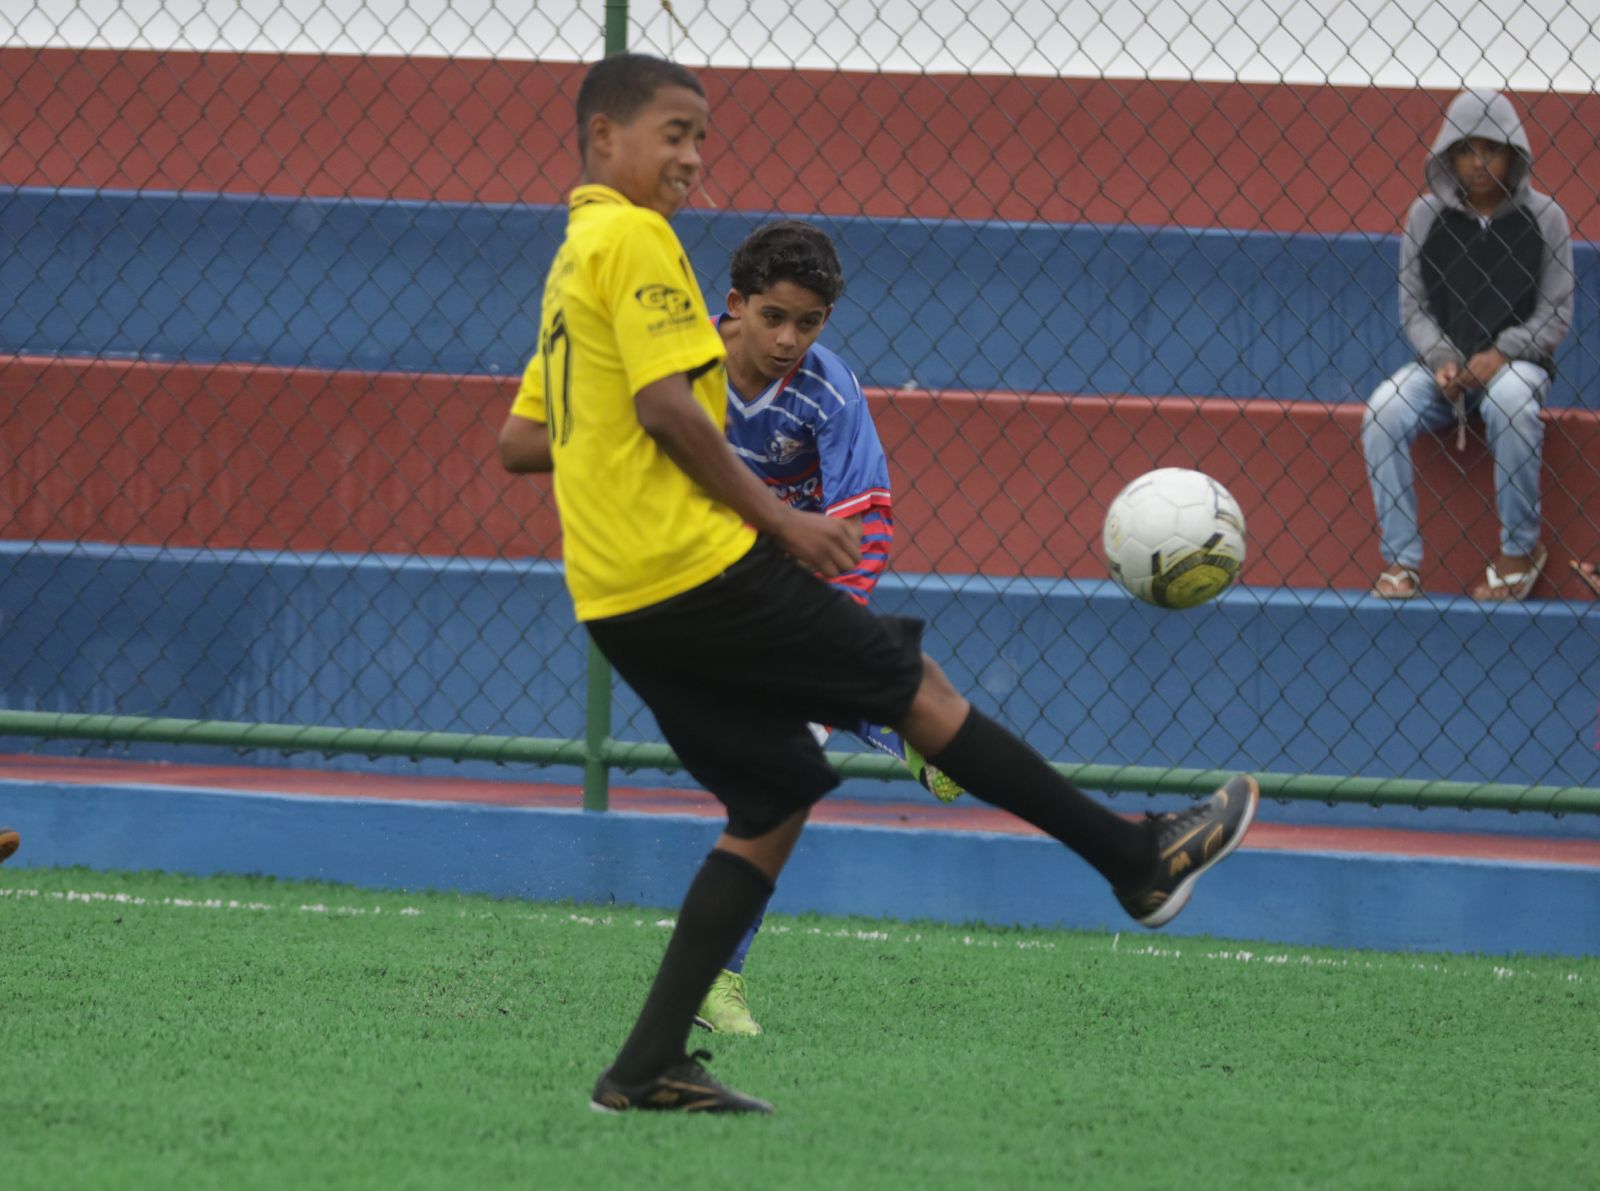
<point>529,401</point>
<point>661,322</point>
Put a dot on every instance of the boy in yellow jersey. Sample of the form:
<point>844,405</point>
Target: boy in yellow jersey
<point>702,588</point>
<point>797,418</point>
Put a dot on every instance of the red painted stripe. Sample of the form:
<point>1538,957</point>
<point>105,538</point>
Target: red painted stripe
<point>988,483</point>
<point>231,456</point>
<point>1277,157</point>
<point>967,815</point>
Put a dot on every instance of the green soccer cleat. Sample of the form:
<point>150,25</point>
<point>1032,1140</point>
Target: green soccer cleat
<point>937,783</point>
<point>1187,844</point>
<point>686,1086</point>
<point>725,1011</point>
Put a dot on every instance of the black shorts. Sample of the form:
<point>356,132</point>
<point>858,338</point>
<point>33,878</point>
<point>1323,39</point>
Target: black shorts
<point>736,668</point>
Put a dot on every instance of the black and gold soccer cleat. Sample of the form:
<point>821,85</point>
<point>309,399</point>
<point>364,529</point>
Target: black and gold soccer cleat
<point>1187,843</point>
<point>686,1086</point>
<point>10,841</point>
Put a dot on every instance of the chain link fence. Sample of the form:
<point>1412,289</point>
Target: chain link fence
<point>269,281</point>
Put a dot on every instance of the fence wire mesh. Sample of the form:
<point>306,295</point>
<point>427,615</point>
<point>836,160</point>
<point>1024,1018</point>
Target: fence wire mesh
<point>270,279</point>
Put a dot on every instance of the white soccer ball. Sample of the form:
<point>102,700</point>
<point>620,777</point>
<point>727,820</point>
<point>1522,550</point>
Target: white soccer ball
<point>1174,538</point>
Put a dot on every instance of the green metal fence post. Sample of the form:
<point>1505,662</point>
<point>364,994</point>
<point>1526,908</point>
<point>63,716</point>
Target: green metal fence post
<point>616,26</point>
<point>597,709</point>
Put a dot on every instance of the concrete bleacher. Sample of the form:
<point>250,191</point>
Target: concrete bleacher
<point>1002,484</point>
<point>1269,679</point>
<point>1244,354</point>
<point>221,373</point>
<point>942,305</point>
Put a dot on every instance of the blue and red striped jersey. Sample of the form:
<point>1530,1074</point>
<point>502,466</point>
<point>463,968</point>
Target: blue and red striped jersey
<point>810,436</point>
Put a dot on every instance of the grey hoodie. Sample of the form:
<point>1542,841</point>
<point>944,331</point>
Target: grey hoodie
<point>1487,114</point>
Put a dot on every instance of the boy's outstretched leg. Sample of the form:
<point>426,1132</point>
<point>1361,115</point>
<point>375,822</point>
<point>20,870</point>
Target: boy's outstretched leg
<point>1151,864</point>
<point>652,1071</point>
<point>886,740</point>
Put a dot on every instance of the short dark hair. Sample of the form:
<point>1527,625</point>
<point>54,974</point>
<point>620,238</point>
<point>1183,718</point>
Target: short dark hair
<point>620,85</point>
<point>787,250</point>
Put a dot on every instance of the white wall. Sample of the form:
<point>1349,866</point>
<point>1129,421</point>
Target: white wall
<point>1525,44</point>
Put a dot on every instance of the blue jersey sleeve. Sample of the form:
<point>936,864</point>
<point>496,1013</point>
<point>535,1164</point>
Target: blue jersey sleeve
<point>855,473</point>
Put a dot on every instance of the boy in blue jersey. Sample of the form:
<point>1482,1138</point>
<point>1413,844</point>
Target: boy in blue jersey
<point>798,419</point>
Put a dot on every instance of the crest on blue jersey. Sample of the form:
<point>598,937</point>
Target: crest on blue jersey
<point>781,448</point>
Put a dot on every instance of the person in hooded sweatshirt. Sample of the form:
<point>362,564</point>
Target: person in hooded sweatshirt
<point>1486,285</point>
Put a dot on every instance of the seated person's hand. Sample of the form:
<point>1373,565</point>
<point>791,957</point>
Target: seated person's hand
<point>1448,377</point>
<point>1483,367</point>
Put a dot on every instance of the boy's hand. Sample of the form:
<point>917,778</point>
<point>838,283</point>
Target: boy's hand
<point>819,543</point>
<point>1448,377</point>
<point>1485,365</point>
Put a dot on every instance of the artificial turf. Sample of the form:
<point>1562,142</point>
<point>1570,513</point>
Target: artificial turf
<point>165,1031</point>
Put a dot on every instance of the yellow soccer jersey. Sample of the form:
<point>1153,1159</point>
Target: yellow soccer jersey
<point>622,309</point>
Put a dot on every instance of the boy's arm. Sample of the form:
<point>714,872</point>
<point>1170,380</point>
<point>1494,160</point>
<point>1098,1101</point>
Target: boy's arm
<point>1547,326</point>
<point>1433,347</point>
<point>669,414</point>
<point>525,445</point>
<point>524,441</point>
<point>855,482</point>
<point>874,532</point>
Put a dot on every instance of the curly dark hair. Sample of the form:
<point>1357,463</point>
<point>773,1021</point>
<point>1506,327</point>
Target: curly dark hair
<point>620,85</point>
<point>787,250</point>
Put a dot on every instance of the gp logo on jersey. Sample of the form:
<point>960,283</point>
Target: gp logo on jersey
<point>675,306</point>
<point>664,298</point>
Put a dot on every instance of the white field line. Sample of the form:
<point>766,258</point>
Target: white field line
<point>1274,958</point>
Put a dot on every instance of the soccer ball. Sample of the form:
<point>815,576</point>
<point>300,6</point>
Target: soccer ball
<point>1174,538</point>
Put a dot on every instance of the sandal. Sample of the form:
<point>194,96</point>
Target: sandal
<point>1397,583</point>
<point>1589,572</point>
<point>1515,586</point>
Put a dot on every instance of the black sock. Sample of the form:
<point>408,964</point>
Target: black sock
<point>1000,769</point>
<point>723,900</point>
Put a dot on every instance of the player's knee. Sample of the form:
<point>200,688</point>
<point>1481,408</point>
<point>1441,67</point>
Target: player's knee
<point>936,684</point>
<point>938,709</point>
<point>769,848</point>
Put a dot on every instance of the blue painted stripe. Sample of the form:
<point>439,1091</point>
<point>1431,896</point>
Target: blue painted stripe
<point>453,288</point>
<point>1285,680</point>
<point>1409,903</point>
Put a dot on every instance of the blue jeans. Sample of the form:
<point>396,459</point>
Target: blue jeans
<point>1407,404</point>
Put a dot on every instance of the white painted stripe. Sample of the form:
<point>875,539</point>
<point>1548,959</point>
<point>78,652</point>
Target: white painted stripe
<point>1007,940</point>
